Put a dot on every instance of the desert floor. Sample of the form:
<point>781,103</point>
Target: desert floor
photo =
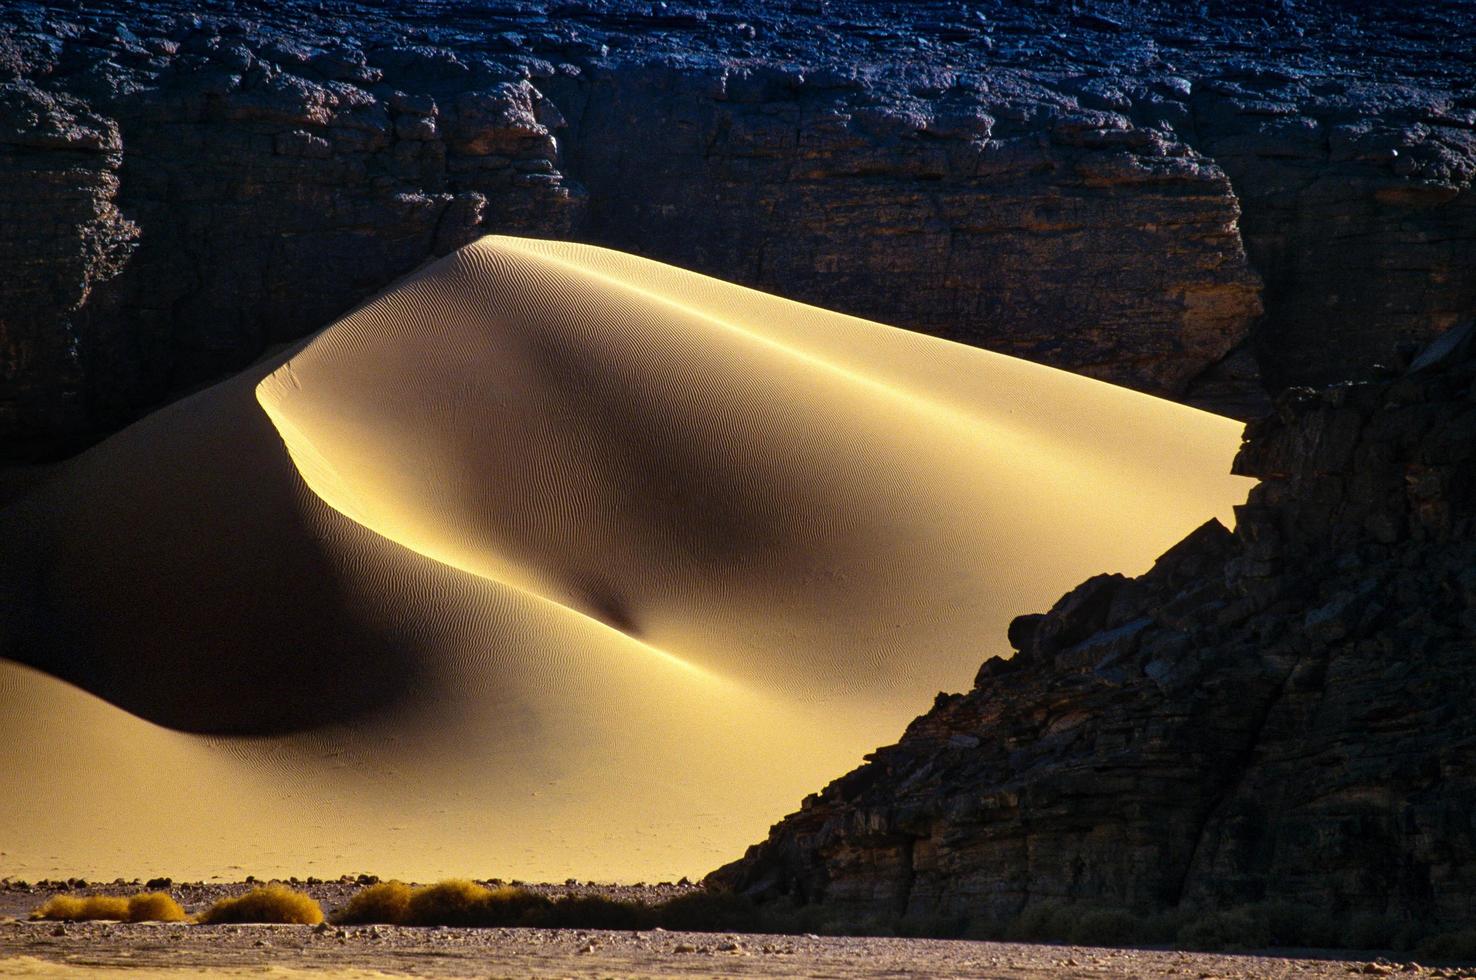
<point>53,949</point>
<point>29,949</point>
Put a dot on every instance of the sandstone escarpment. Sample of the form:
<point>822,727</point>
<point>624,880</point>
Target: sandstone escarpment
<point>270,189</point>
<point>1281,714</point>
<point>63,236</point>
<point>1122,191</point>
<point>1356,211</point>
<point>1006,217</point>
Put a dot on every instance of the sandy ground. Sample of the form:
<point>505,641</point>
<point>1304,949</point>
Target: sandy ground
<point>549,560</point>
<point>48,949</point>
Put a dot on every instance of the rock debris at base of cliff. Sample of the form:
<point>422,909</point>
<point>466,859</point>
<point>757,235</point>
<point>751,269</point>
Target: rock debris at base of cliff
<point>1204,201</point>
<point>1279,717</point>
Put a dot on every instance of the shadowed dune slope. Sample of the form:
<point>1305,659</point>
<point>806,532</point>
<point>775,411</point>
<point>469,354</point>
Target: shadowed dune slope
<point>548,561</point>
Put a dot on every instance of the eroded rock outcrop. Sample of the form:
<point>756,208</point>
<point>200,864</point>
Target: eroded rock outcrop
<point>1121,191</point>
<point>1002,216</point>
<point>271,186</point>
<point>63,236</point>
<point>1279,714</point>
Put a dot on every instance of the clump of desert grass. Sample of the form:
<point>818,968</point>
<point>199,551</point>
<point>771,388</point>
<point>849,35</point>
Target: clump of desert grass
<point>715,911</point>
<point>594,912</point>
<point>458,902</point>
<point>274,904</point>
<point>386,903</point>
<point>143,907</point>
<point>1270,924</point>
<point>455,902</point>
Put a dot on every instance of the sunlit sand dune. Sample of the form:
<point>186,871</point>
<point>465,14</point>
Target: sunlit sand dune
<point>549,561</point>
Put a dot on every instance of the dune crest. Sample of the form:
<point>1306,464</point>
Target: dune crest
<point>549,561</point>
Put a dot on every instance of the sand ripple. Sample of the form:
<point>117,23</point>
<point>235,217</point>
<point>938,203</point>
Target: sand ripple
<point>548,561</point>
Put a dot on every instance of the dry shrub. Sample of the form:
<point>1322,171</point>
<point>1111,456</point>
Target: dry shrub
<point>144,907</point>
<point>509,906</point>
<point>459,902</point>
<point>71,909</point>
<point>595,912</point>
<point>270,903</point>
<point>1449,947</point>
<point>709,911</point>
<point>387,903</point>
<point>1260,925</point>
<point>154,907</point>
<point>456,902</point>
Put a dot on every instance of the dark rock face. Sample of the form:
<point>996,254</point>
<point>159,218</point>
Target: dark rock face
<point>1068,237</point>
<point>1278,714</point>
<point>63,236</point>
<point>274,205</point>
<point>268,187</point>
<point>1121,191</point>
<point>1356,211</point>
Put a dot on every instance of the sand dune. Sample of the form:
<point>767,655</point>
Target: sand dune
<point>549,561</point>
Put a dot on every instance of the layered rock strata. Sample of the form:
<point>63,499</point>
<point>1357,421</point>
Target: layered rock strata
<point>62,236</point>
<point>1121,191</point>
<point>1279,714</point>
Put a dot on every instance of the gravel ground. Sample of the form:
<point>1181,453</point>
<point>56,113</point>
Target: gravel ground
<point>49,948</point>
<point>46,948</point>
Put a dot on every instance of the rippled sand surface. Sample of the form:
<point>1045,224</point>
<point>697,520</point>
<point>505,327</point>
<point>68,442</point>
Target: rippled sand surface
<point>548,561</point>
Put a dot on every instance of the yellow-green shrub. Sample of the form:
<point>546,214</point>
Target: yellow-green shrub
<point>459,902</point>
<point>387,903</point>
<point>144,907</point>
<point>593,912</point>
<point>270,903</point>
<point>456,902</point>
<point>510,906</point>
<point>74,909</point>
<point>154,907</point>
<point>708,912</point>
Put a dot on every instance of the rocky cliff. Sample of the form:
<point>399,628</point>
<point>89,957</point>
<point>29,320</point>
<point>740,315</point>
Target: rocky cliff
<point>1276,715</point>
<point>1117,188</point>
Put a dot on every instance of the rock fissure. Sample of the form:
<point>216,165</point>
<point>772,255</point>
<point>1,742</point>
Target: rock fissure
<point>1237,775</point>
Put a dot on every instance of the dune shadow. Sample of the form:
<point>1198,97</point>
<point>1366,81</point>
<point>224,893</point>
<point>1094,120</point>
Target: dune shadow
<point>177,574</point>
